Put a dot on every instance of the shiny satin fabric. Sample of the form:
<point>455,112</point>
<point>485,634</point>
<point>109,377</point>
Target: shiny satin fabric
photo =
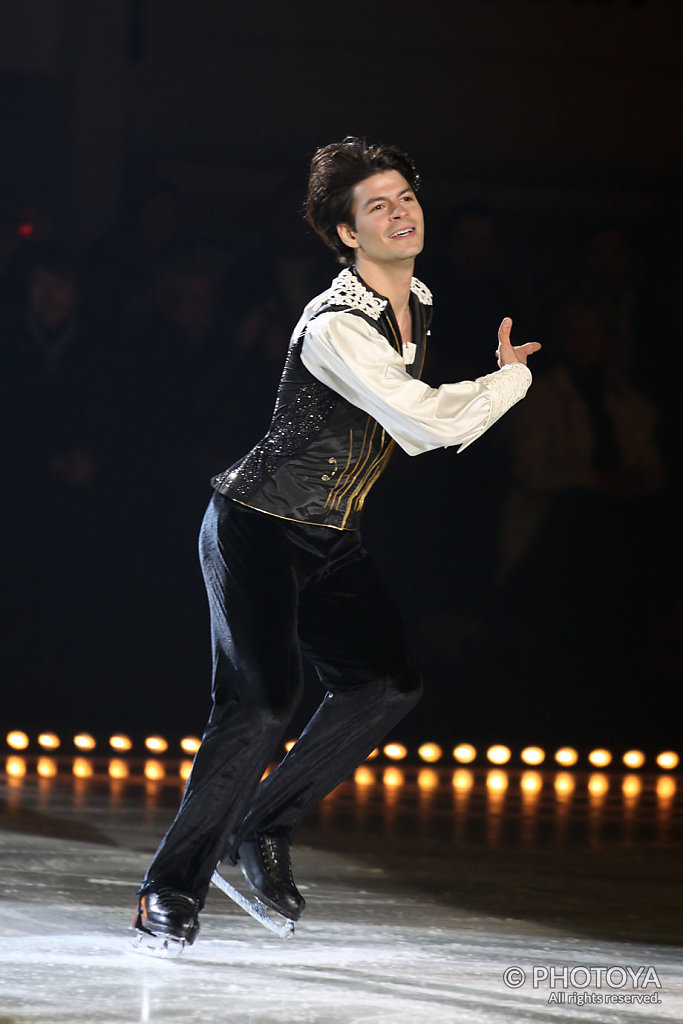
<point>325,450</point>
<point>279,591</point>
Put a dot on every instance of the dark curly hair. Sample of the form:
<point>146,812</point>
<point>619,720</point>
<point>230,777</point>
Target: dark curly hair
<point>335,169</point>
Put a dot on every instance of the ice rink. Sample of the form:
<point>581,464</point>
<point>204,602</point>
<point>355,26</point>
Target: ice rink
<point>422,893</point>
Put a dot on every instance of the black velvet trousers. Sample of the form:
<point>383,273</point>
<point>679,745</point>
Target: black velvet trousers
<point>278,590</point>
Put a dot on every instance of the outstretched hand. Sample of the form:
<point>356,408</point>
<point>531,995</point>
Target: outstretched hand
<point>508,353</point>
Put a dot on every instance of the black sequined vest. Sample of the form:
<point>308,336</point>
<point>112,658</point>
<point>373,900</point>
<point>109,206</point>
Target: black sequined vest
<point>322,454</point>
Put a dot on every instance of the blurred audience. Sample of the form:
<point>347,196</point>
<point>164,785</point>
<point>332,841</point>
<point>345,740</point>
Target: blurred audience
<point>51,387</point>
<point>130,375</point>
<point>584,430</point>
<point>120,267</point>
<point>470,279</point>
<point>50,374</point>
<point>581,535</point>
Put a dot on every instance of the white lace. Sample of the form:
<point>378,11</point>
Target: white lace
<point>422,291</point>
<point>349,290</point>
<point>506,387</point>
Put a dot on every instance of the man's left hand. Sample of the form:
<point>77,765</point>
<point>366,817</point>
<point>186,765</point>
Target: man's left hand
<point>509,353</point>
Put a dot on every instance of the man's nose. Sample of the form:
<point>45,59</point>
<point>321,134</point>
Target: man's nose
<point>398,211</point>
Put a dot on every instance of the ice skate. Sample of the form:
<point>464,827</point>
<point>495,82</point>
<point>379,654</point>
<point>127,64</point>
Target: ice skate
<point>267,868</point>
<point>271,919</point>
<point>165,922</point>
<point>274,900</point>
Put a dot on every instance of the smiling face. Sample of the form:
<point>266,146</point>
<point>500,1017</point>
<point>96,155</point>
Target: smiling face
<point>388,225</point>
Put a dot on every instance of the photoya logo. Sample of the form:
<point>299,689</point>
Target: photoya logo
<point>583,976</point>
<point>595,977</point>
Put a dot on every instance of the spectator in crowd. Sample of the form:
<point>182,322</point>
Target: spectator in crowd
<point>49,372</point>
<point>586,431</point>
<point>121,267</point>
<point>50,375</point>
<point>580,537</point>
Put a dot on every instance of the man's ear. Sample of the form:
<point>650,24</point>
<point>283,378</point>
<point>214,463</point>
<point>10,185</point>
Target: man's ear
<point>347,235</point>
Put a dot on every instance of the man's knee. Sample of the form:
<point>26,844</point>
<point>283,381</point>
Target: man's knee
<point>405,686</point>
<point>265,705</point>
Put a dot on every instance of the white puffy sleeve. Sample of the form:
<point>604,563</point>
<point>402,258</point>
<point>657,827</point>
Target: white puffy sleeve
<point>350,356</point>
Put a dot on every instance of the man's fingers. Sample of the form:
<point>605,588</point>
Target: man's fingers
<point>529,348</point>
<point>504,331</point>
<point>509,353</point>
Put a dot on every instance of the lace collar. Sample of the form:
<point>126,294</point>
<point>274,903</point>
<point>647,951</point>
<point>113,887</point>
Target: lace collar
<point>348,289</point>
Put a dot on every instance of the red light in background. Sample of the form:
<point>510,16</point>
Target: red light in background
<point>25,229</point>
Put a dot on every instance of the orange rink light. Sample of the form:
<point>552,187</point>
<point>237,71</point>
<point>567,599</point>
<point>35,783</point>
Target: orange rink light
<point>566,756</point>
<point>184,770</point>
<point>395,751</point>
<point>533,755</point>
<point>373,754</point>
<point>634,759</point>
<point>49,741</point>
<point>667,760</point>
<point>531,783</point>
<point>565,784</point>
<point>631,786</point>
<point>82,768</point>
<point>118,769</point>
<point>600,757</point>
<point>17,740</point>
<point>464,753</point>
<point>393,777</point>
<point>427,778</point>
<point>84,741</point>
<point>598,784</point>
<point>363,776</point>
<point>498,754</point>
<point>665,788</point>
<point>430,752</point>
<point>16,767</point>
<point>289,744</point>
<point>463,780</point>
<point>154,771</point>
<point>46,767</point>
<point>120,742</point>
<point>157,744</point>
<point>496,781</point>
<point>190,744</point>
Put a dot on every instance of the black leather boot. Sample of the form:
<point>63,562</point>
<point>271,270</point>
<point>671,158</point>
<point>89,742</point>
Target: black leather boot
<point>267,867</point>
<point>167,912</point>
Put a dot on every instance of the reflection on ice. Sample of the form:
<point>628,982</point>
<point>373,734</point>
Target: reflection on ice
<point>496,804</point>
<point>403,924</point>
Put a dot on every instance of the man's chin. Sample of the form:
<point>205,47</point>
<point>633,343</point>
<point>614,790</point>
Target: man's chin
<point>412,251</point>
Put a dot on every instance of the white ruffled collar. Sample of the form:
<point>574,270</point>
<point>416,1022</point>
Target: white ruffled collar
<point>348,289</point>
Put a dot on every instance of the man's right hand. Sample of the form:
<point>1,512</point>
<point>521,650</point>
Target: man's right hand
<point>509,353</point>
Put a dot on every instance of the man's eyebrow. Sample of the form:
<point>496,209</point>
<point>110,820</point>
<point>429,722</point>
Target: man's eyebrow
<point>385,199</point>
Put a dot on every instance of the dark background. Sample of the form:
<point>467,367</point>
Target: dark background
<point>153,261</point>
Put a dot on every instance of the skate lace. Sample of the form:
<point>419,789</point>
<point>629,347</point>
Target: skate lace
<point>275,853</point>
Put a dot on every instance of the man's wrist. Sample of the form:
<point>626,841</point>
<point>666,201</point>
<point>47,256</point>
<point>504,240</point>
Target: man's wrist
<point>516,367</point>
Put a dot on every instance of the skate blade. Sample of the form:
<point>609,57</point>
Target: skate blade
<point>272,920</point>
<point>161,946</point>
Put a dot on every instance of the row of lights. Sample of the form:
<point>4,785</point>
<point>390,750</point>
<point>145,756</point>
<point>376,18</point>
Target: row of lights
<point>18,740</point>
<point>82,768</point>
<point>463,753</point>
<point>531,782</point>
<point>498,754</point>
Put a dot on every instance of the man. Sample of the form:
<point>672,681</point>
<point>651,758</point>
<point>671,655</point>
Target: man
<point>283,564</point>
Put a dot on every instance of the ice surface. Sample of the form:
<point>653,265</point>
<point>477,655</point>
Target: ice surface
<point>371,948</point>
